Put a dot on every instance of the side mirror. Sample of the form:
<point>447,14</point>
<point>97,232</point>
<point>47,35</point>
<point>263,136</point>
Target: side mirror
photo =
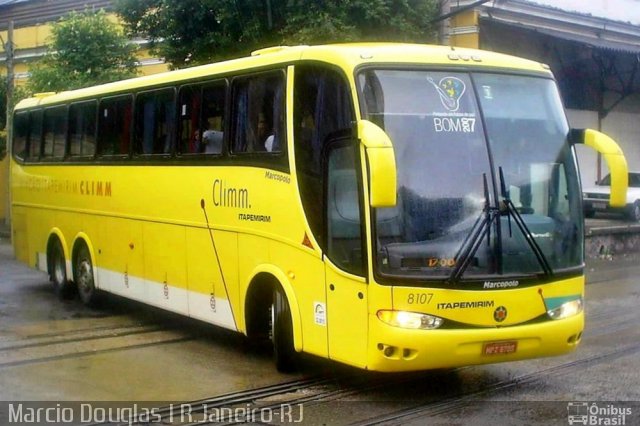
<point>382,164</point>
<point>614,157</point>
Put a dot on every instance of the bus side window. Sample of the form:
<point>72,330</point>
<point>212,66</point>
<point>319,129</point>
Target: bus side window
<point>35,134</point>
<point>344,231</point>
<point>82,129</point>
<point>55,127</point>
<point>213,108</point>
<point>20,134</point>
<point>321,110</point>
<point>258,113</point>
<point>154,122</point>
<point>189,113</point>
<point>201,111</point>
<point>114,125</point>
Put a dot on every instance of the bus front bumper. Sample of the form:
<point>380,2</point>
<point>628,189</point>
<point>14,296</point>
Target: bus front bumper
<point>397,349</point>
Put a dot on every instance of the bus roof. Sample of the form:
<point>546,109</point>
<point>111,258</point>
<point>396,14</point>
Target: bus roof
<point>347,56</point>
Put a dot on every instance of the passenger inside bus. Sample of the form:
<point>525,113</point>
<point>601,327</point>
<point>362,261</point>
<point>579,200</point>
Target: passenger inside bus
<point>211,141</point>
<point>265,132</point>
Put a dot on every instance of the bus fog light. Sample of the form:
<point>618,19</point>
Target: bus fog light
<point>566,310</point>
<point>412,320</point>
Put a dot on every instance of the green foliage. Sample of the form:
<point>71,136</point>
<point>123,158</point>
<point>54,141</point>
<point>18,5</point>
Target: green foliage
<point>86,49</point>
<point>19,93</point>
<point>189,32</point>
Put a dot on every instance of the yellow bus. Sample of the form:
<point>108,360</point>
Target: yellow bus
<point>393,207</point>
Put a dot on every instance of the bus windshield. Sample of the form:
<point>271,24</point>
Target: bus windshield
<point>487,184</point>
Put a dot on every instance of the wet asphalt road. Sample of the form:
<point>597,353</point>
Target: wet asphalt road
<point>53,350</point>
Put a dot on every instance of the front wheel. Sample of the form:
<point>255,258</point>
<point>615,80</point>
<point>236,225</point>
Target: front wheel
<point>83,274</point>
<point>282,333</point>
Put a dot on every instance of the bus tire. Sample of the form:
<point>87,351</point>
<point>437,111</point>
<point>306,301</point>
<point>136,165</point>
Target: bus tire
<point>634,212</point>
<point>83,276</point>
<point>284,353</point>
<point>58,270</point>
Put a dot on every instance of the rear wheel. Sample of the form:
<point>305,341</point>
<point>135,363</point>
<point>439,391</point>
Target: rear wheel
<point>58,270</point>
<point>83,275</point>
<point>282,333</point>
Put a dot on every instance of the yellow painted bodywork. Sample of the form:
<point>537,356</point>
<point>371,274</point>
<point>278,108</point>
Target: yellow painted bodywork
<point>616,162</point>
<point>419,349</point>
<point>381,164</point>
<point>168,230</point>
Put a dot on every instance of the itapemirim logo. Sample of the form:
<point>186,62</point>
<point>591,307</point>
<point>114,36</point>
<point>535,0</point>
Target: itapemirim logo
<point>592,413</point>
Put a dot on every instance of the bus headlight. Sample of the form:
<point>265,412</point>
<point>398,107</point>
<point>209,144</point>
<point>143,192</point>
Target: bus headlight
<point>566,310</point>
<point>412,320</point>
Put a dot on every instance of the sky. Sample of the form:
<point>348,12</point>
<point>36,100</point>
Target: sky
<point>617,10</point>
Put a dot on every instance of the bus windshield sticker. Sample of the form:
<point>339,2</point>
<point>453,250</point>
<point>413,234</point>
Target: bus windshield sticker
<point>454,119</point>
<point>450,90</point>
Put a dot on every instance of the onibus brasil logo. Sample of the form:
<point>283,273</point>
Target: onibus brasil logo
<point>584,413</point>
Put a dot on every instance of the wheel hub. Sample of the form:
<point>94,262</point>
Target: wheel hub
<point>85,276</point>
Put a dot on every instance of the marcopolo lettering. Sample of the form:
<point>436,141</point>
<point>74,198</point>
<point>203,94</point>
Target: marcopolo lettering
<point>501,284</point>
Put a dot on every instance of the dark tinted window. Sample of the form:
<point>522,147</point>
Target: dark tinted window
<point>114,125</point>
<point>155,113</point>
<point>213,109</point>
<point>20,134</point>
<point>190,107</point>
<point>54,130</point>
<point>322,111</point>
<point>344,230</point>
<point>82,129</point>
<point>258,113</point>
<point>35,134</point>
<point>201,111</point>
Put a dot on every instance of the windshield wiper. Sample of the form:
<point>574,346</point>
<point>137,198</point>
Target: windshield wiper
<point>512,211</point>
<point>482,226</point>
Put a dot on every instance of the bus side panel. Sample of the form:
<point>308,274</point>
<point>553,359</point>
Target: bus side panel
<point>252,252</point>
<point>306,274</point>
<point>213,296</point>
<point>120,258</point>
<point>165,266</point>
<point>40,221</point>
<point>19,237</point>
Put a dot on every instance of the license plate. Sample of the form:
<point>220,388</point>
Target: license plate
<point>600,206</point>
<point>500,348</point>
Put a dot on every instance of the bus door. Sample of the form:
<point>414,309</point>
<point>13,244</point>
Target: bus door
<point>331,194</point>
<point>344,259</point>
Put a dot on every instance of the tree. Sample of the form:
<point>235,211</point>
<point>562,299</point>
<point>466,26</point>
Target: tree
<point>19,93</point>
<point>189,32</point>
<point>86,49</point>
